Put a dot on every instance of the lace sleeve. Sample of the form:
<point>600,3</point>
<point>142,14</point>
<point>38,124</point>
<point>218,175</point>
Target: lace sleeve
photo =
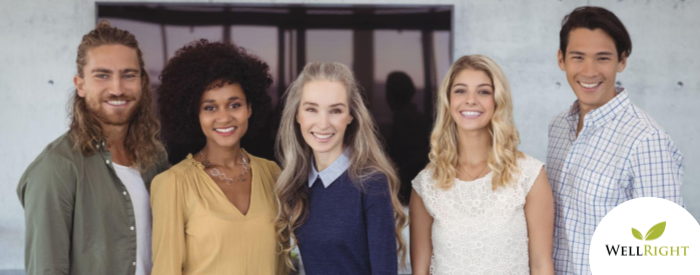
<point>530,168</point>
<point>422,183</point>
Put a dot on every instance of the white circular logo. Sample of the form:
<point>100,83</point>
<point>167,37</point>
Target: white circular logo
<point>648,236</point>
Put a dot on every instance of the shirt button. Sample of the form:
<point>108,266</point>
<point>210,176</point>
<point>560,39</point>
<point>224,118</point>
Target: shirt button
<point>107,161</point>
<point>124,193</point>
<point>134,263</point>
<point>132,228</point>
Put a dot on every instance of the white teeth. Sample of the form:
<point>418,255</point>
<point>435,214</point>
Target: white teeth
<point>470,113</point>
<point>323,136</point>
<point>592,85</point>
<point>225,130</point>
<point>116,102</point>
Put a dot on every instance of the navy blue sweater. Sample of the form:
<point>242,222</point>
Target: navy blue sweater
<point>349,231</point>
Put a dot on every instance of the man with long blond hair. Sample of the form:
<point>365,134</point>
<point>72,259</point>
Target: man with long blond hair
<point>86,195</point>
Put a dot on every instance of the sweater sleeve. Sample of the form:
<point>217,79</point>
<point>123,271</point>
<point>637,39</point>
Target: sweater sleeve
<point>379,219</point>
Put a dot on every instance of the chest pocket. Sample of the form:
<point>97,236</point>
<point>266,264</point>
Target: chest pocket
<point>598,186</point>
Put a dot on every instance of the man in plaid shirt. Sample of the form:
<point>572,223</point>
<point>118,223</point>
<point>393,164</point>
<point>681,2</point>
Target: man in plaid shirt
<point>604,150</point>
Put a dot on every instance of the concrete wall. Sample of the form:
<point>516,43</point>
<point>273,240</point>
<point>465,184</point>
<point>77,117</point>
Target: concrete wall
<point>39,38</point>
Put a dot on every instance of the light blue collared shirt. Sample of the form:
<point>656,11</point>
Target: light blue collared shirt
<point>332,172</point>
<point>620,154</point>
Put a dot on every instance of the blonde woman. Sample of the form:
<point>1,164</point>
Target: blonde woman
<point>338,189</point>
<point>480,206</point>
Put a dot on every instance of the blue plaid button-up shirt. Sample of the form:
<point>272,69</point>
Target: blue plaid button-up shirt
<point>620,154</point>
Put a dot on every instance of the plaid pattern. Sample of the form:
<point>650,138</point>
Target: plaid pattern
<point>620,154</point>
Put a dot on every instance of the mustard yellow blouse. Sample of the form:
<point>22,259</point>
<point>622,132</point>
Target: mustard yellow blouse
<point>197,230</point>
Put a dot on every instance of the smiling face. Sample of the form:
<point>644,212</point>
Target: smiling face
<point>472,102</point>
<point>323,116</point>
<point>223,115</point>
<point>591,65</point>
<point>111,83</point>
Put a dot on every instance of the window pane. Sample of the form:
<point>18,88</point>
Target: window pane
<point>329,46</point>
<point>262,42</point>
<point>396,51</point>
<point>149,37</point>
<point>179,36</point>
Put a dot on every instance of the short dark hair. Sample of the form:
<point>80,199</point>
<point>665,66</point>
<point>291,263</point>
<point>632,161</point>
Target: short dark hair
<point>596,18</point>
<point>196,68</point>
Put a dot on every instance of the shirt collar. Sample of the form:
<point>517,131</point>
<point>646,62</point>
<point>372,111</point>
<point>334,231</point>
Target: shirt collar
<point>601,115</point>
<point>332,172</point>
<point>100,145</point>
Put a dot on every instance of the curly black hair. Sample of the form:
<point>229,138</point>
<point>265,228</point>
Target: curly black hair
<point>196,68</point>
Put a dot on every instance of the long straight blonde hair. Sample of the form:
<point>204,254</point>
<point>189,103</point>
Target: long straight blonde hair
<point>367,157</point>
<point>504,152</point>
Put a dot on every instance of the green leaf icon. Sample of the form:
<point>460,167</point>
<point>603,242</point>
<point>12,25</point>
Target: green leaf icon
<point>637,234</point>
<point>656,231</point>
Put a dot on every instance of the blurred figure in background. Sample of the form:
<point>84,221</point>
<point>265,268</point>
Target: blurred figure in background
<point>409,141</point>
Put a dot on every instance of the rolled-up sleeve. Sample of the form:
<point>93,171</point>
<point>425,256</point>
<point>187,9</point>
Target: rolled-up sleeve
<point>656,166</point>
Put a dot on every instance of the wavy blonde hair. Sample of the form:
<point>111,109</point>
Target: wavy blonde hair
<point>367,156</point>
<point>142,141</point>
<point>504,152</point>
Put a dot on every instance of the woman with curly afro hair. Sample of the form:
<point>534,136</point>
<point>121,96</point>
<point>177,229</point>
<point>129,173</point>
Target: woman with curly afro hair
<point>214,212</point>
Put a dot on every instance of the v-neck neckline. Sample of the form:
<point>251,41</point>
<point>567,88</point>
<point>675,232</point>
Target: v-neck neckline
<point>211,181</point>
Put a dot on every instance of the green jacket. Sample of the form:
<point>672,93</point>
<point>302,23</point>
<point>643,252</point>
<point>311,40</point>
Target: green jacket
<point>79,217</point>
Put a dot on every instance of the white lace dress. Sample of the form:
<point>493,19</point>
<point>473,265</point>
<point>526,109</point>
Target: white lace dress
<point>477,230</point>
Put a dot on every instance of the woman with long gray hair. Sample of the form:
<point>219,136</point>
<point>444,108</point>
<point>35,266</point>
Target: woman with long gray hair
<point>338,189</point>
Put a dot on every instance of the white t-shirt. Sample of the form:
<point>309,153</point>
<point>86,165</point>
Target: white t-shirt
<point>131,178</point>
